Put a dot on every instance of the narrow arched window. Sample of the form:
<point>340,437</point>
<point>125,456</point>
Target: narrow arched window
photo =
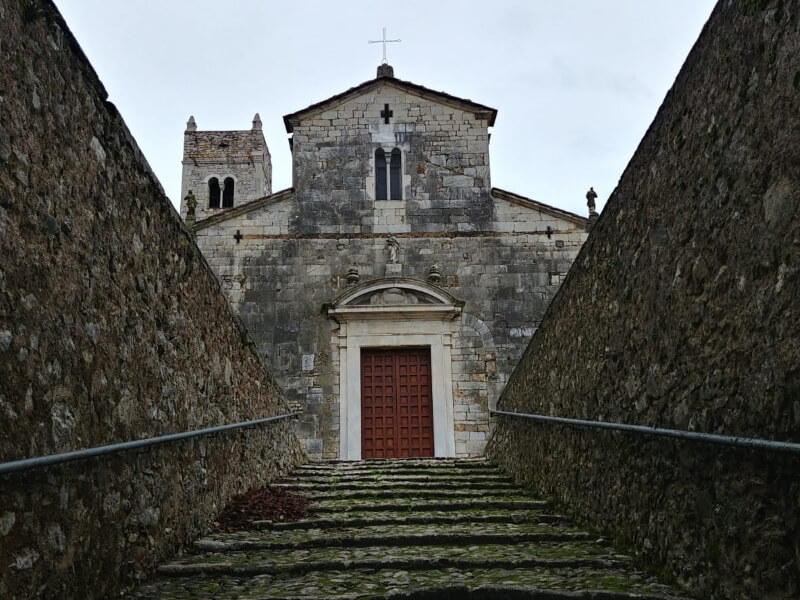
<point>395,178</point>
<point>380,174</point>
<point>213,193</point>
<point>227,193</point>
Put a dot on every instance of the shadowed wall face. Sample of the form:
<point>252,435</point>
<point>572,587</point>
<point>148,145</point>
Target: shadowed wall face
<point>682,311</point>
<point>112,328</point>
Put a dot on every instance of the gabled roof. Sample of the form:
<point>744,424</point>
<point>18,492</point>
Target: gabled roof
<point>540,206</point>
<point>243,209</point>
<point>418,90</point>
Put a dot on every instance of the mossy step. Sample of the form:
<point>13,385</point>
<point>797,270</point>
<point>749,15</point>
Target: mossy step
<point>388,465</point>
<point>413,474</point>
<point>387,538</point>
<point>256,561</point>
<point>423,492</point>
<point>346,534</point>
<point>372,478</point>
<point>309,488</point>
<point>390,462</point>
<point>399,466</point>
<point>402,464</point>
<point>426,504</point>
<point>439,584</point>
<point>367,519</point>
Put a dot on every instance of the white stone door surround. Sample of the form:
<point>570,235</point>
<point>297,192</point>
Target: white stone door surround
<point>391,313</point>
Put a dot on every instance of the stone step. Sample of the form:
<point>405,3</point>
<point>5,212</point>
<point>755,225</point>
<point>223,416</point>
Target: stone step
<point>388,467</point>
<point>353,519</point>
<point>393,539</point>
<point>391,463</point>
<point>396,533</point>
<point>426,504</point>
<point>415,529</point>
<point>448,583</point>
<point>312,488</point>
<point>421,493</point>
<point>405,474</point>
<point>371,479</point>
<point>264,557</point>
<point>255,564</point>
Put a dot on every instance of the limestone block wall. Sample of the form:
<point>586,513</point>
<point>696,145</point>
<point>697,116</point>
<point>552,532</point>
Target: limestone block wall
<point>241,155</point>
<point>445,165</point>
<point>278,282</point>
<point>682,311</point>
<point>112,328</point>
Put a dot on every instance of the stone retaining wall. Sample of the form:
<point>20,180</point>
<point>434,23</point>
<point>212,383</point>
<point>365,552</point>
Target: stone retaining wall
<point>682,311</point>
<point>112,328</point>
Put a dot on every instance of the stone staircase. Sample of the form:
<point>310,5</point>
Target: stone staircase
<point>436,528</point>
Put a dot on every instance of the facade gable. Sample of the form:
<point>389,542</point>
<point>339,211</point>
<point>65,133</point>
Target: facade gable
<point>342,173</point>
<point>405,87</point>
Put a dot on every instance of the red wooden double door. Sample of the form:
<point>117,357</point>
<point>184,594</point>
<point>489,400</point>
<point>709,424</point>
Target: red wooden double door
<point>396,403</point>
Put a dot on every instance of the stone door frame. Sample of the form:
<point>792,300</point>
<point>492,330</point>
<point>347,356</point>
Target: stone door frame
<point>361,325</point>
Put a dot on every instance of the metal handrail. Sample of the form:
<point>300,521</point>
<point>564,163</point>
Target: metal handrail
<point>26,464</point>
<point>714,438</point>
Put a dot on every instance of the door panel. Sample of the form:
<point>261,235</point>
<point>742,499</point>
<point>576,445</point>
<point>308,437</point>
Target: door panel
<point>396,403</point>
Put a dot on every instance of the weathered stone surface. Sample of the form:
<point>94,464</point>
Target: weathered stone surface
<point>359,552</point>
<point>284,258</point>
<point>112,328</point>
<point>279,283</point>
<point>682,311</point>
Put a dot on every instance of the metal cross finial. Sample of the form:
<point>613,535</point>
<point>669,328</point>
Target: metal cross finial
<point>384,41</point>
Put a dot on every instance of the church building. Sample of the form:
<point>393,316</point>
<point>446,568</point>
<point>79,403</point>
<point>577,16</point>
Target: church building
<point>391,289</point>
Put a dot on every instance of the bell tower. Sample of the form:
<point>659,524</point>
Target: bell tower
<point>223,169</point>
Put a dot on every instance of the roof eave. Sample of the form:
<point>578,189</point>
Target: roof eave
<point>242,209</point>
<point>480,110</point>
<point>535,204</point>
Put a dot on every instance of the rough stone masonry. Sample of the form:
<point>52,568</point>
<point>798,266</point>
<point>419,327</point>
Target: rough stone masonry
<point>682,311</point>
<point>112,328</point>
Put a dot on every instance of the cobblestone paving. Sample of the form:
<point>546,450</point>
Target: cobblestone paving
<point>406,529</point>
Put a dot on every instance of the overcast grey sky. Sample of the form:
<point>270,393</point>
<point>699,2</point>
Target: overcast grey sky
<point>576,82</point>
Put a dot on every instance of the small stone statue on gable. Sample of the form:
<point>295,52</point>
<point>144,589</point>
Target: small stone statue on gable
<point>394,247</point>
<point>591,196</point>
<point>191,204</point>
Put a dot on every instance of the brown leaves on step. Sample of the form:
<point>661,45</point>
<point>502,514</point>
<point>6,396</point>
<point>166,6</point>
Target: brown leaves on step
<point>263,504</point>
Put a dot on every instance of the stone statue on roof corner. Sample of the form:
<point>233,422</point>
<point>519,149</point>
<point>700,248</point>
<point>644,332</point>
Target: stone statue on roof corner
<point>591,196</point>
<point>191,204</point>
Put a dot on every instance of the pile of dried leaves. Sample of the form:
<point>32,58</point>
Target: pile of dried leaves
<point>263,504</point>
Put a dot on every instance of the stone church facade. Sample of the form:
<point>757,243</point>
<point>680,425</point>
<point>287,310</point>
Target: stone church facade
<point>391,289</point>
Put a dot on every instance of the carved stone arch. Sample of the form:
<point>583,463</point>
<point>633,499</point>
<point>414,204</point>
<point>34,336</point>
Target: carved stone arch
<point>488,355</point>
<point>394,297</point>
<point>481,328</point>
